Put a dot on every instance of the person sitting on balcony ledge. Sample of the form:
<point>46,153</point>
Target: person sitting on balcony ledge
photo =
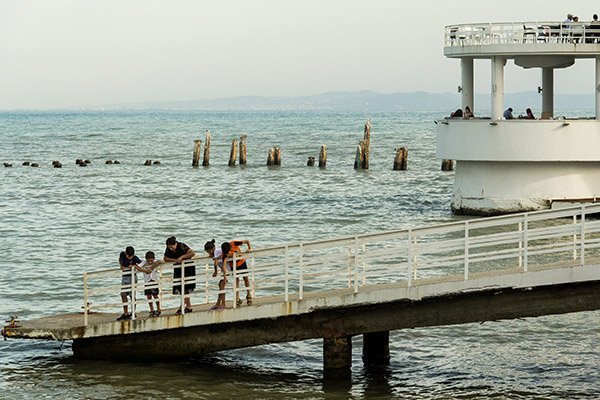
<point>529,114</point>
<point>468,113</point>
<point>508,114</point>
<point>456,114</point>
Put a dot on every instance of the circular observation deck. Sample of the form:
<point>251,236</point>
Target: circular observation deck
<point>513,39</point>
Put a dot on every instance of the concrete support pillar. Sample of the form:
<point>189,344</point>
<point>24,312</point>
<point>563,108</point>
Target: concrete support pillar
<point>497,87</point>
<point>376,348</point>
<point>466,72</point>
<point>548,93</point>
<point>597,88</point>
<point>337,355</point>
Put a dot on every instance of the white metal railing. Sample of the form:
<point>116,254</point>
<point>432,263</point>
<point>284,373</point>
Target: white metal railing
<point>522,32</point>
<point>292,271</point>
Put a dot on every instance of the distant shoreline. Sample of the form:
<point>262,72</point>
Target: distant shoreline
<point>360,101</point>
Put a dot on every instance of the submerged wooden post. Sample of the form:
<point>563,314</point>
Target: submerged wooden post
<point>310,162</point>
<point>358,159</point>
<point>205,159</point>
<point>400,161</point>
<point>233,153</point>
<point>196,157</point>
<point>271,157</point>
<point>323,156</point>
<point>243,149</point>
<point>277,158</point>
<point>366,148</point>
<point>447,165</point>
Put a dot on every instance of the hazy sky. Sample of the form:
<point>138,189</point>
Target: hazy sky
<point>76,53</point>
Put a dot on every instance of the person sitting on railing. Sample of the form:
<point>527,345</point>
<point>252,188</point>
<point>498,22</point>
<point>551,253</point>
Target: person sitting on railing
<point>217,256</point>
<point>176,252</point>
<point>127,259</point>
<point>508,113</point>
<point>229,249</point>
<point>148,267</point>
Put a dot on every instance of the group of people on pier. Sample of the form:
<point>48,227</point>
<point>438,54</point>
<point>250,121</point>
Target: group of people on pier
<point>176,252</point>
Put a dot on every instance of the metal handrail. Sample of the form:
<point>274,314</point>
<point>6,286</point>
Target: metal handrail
<point>404,256</point>
<point>522,32</point>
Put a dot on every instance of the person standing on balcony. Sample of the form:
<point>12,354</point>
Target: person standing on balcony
<point>176,252</point>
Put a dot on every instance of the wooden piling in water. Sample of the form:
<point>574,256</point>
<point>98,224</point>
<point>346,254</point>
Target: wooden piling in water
<point>401,159</point>
<point>233,153</point>
<point>277,158</point>
<point>447,165</point>
<point>358,159</point>
<point>196,156</point>
<point>205,159</point>
<point>271,157</point>
<point>310,162</point>
<point>366,148</point>
<point>323,156</point>
<point>243,149</point>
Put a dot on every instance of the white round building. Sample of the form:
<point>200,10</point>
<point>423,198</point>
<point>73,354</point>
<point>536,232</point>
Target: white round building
<point>512,165</point>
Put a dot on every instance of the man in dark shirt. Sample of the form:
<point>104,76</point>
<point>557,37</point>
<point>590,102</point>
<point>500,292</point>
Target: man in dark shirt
<point>176,252</point>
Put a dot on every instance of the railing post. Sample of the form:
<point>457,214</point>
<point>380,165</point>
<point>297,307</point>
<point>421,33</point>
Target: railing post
<point>348,265</point>
<point>301,273</point>
<point>286,267</point>
<point>466,250</point>
<point>409,258</point>
<point>235,283</point>
<point>574,237</point>
<point>85,299</point>
<point>181,289</point>
<point>364,265</point>
<point>356,264</point>
<point>582,234</point>
<point>525,242</point>
<point>206,269</point>
<point>252,276</point>
<point>133,290</point>
<point>520,244</point>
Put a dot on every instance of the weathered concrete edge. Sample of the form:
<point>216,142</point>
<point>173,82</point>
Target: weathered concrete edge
<point>460,308</point>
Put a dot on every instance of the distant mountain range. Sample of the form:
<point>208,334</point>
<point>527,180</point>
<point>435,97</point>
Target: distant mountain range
<point>365,101</point>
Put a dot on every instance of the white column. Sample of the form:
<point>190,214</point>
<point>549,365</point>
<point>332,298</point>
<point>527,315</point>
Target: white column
<point>547,93</point>
<point>466,76</point>
<point>597,88</point>
<point>497,87</point>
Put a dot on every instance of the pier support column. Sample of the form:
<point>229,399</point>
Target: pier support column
<point>497,87</point>
<point>466,70</point>
<point>597,88</point>
<point>376,348</point>
<point>548,93</point>
<point>337,356</point>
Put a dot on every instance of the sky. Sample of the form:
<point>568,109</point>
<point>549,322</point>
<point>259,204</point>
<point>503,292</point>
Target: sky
<point>86,53</point>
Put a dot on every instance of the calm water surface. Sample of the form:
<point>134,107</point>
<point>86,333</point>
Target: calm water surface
<point>57,223</point>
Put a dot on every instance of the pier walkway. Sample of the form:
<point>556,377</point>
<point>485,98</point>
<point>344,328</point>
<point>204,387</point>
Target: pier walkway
<point>512,266</point>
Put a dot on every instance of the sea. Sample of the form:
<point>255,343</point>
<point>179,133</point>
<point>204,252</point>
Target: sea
<point>57,223</point>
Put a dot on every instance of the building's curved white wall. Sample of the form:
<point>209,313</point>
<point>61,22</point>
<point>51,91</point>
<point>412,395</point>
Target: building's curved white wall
<point>519,140</point>
<point>500,187</point>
